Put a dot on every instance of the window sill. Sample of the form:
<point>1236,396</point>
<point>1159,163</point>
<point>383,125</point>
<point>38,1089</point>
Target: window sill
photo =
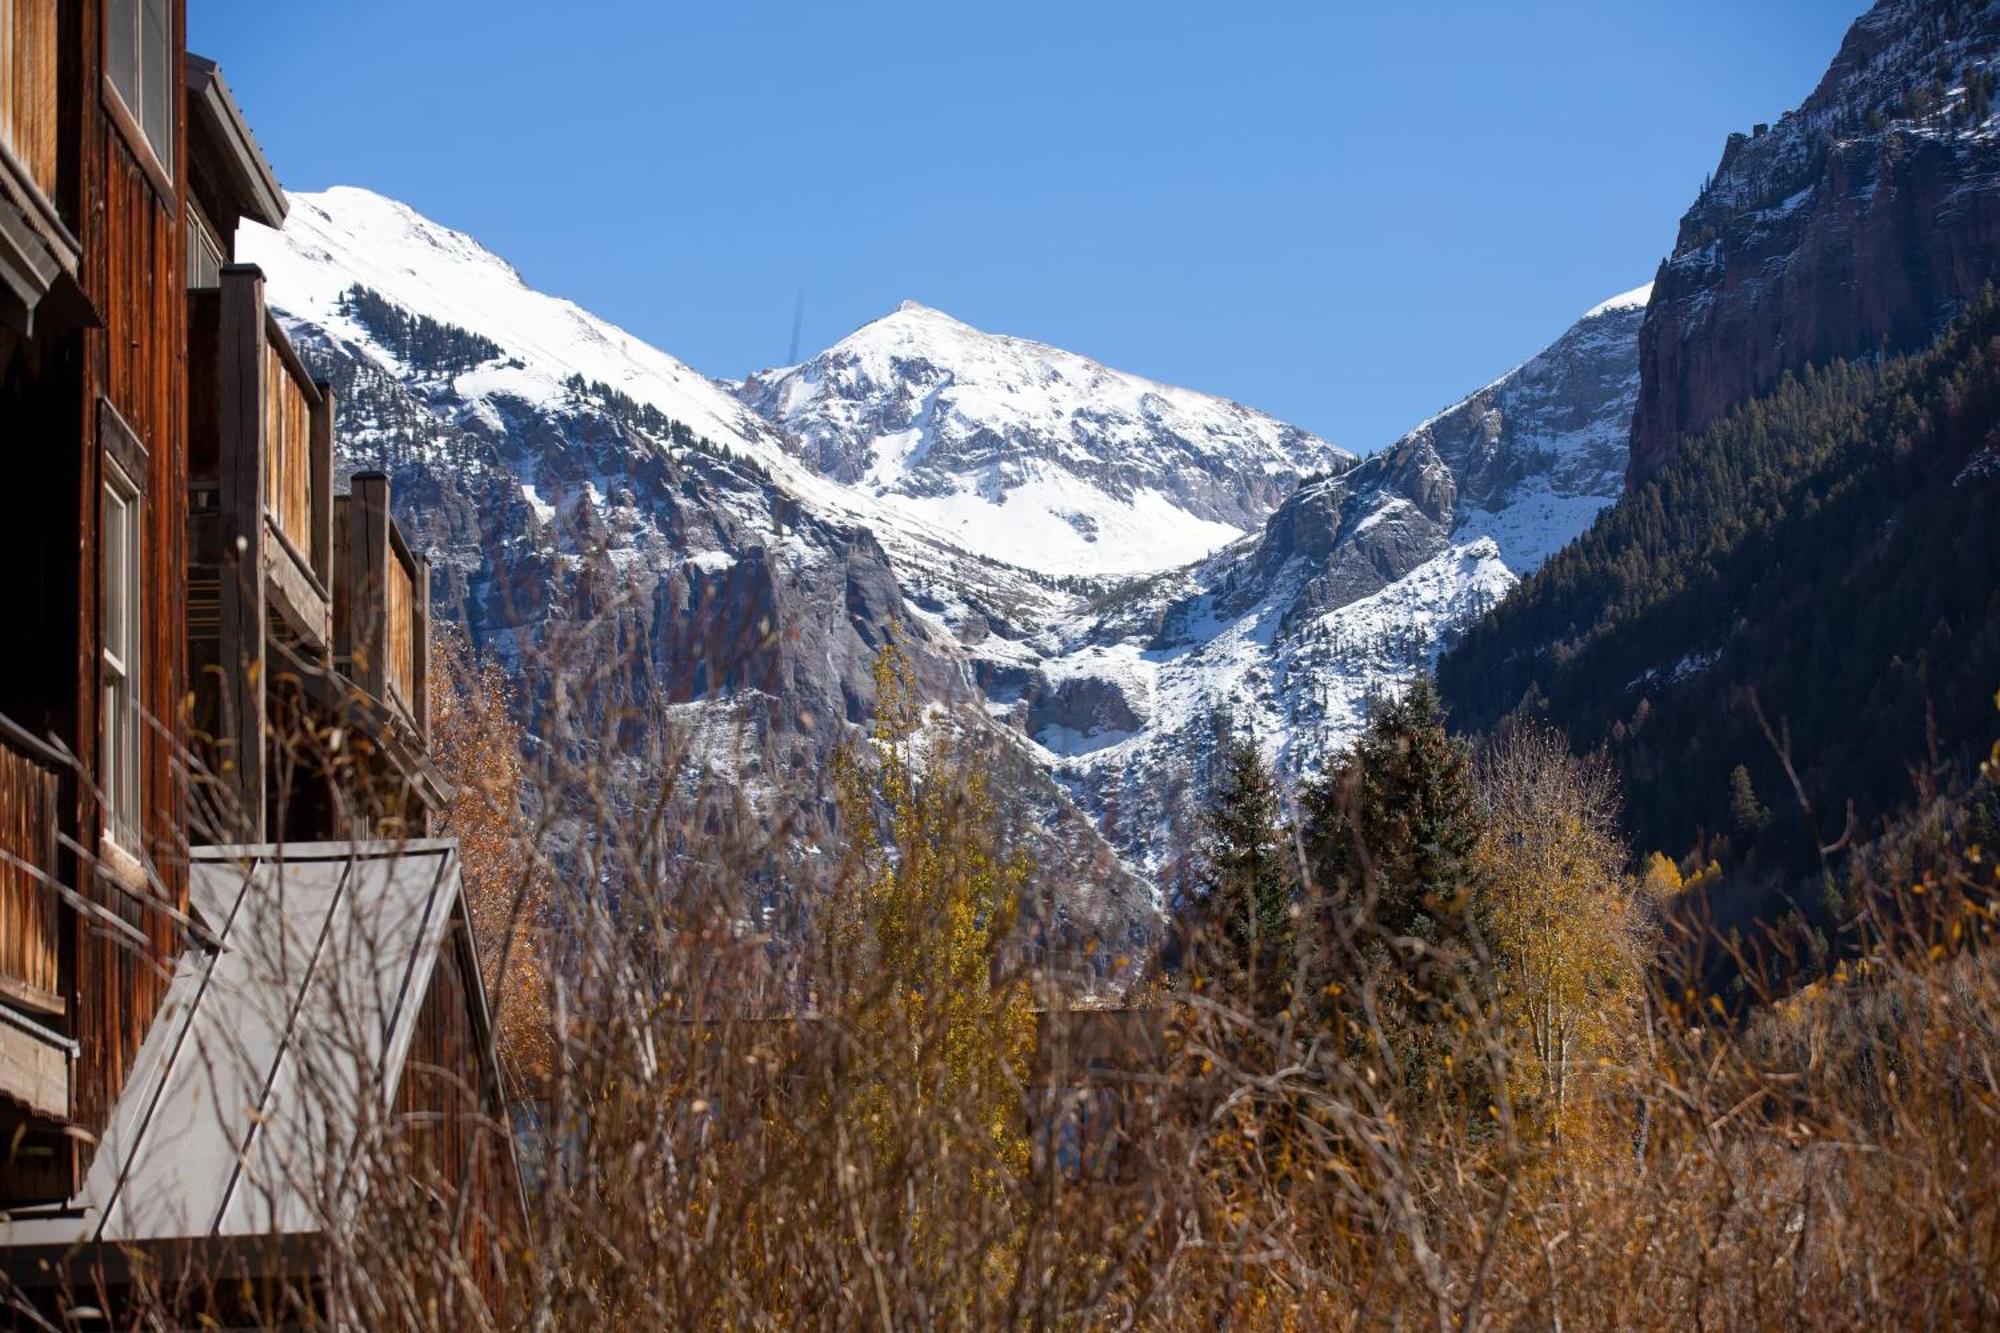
<point>139,146</point>
<point>120,866</point>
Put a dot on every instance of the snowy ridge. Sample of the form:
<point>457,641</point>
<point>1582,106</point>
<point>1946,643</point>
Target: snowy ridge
<point>343,238</point>
<point>347,237</point>
<point>1104,567</point>
<point>1031,454</point>
<point>1355,584</point>
<point>1635,299</point>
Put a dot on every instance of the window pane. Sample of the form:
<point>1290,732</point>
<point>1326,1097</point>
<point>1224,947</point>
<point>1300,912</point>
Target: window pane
<point>121,49</point>
<point>113,776</point>
<point>116,518</point>
<point>128,794</point>
<point>157,84</point>
<point>120,660</point>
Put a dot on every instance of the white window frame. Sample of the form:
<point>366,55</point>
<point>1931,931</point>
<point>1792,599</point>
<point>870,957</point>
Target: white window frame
<point>122,652</point>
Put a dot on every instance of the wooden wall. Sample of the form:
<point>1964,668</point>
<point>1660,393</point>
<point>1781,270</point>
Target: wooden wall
<point>454,1119</point>
<point>133,271</point>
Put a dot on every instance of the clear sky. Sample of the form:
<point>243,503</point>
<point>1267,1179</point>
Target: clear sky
<point>1345,214</point>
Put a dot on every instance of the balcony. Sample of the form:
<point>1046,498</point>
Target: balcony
<point>382,606</point>
<point>260,526</point>
<point>260,457</point>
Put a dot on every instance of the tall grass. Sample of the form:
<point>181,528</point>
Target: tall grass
<point>882,1117</point>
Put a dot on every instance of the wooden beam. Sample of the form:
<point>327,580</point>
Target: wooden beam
<point>322,484</point>
<point>241,716</point>
<point>368,559</point>
<point>304,604</point>
<point>420,587</point>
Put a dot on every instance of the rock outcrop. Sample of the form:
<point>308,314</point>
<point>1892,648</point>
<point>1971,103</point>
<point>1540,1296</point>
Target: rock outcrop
<point>1859,223</point>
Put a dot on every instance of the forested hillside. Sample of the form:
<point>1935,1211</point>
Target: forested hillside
<point>1826,555</point>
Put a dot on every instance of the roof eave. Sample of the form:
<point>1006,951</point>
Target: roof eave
<point>259,196</point>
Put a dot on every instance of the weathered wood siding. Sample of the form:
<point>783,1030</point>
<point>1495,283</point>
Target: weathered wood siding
<point>29,58</point>
<point>134,269</point>
<point>399,626</point>
<point>30,943</point>
<point>453,1118</point>
<point>288,468</point>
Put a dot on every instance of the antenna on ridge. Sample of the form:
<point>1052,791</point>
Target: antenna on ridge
<point>798,321</point>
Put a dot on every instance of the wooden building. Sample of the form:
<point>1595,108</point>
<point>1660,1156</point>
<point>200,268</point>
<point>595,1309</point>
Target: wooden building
<point>308,614</point>
<point>208,646</point>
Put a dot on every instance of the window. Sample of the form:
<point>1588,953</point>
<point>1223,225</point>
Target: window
<point>139,57</point>
<point>121,597</point>
<point>204,253</point>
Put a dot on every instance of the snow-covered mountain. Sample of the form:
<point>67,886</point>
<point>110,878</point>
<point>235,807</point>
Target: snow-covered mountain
<point>574,486</point>
<point>751,545</point>
<point>1355,584</point>
<point>1030,454</point>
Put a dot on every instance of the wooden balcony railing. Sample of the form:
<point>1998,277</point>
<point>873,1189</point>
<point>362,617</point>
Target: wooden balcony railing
<point>289,483</point>
<point>260,448</point>
<point>399,619</point>
<point>30,789</point>
<point>381,608</point>
<point>28,55</point>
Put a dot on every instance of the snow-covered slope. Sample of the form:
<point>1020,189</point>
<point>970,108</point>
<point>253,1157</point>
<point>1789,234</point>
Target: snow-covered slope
<point>1355,583</point>
<point>581,493</point>
<point>991,495</point>
<point>347,237</point>
<point>1031,454</point>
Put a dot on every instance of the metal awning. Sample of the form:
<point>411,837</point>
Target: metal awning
<point>276,1052</point>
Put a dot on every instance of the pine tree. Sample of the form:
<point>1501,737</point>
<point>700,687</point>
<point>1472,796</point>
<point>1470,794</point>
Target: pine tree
<point>1247,877</point>
<point>1399,820</point>
<point>1747,815</point>
<point>1395,894</point>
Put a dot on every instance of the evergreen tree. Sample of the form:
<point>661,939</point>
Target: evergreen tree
<point>1396,895</point>
<point>1247,876</point>
<point>1399,821</point>
<point>1747,814</point>
<point>1734,571</point>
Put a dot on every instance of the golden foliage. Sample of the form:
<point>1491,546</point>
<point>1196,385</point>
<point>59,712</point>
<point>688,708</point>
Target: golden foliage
<point>476,744</point>
<point>929,904</point>
<point>1566,927</point>
<point>1661,878</point>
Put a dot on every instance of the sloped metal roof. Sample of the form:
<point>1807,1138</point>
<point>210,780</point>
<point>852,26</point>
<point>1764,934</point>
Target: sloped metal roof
<point>276,1052</point>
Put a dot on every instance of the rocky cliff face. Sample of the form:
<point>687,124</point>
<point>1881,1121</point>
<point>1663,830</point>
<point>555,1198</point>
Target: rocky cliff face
<point>1354,585</point>
<point>1031,454</point>
<point>1860,222</point>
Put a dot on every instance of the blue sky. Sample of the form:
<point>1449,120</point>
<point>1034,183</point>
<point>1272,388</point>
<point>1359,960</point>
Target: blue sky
<point>1347,215</point>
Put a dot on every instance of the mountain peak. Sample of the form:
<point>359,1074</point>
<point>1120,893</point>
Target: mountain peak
<point>1635,299</point>
<point>1031,454</point>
